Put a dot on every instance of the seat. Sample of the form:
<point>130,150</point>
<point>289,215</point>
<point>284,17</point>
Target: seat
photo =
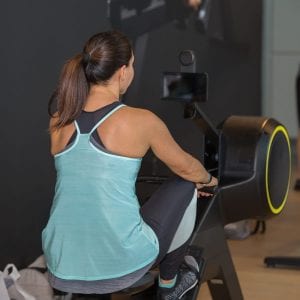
<point>141,285</point>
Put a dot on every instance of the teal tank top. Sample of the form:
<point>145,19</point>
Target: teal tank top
<point>95,230</point>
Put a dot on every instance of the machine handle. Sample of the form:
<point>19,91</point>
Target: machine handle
<point>209,189</point>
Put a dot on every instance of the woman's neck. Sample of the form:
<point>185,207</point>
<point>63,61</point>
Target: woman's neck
<point>100,96</point>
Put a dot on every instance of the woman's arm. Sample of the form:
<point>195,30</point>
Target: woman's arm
<point>166,149</point>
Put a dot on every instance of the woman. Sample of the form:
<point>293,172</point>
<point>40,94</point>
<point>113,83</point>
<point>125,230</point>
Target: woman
<point>98,239</point>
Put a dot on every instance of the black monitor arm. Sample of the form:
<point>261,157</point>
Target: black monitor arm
<point>194,112</point>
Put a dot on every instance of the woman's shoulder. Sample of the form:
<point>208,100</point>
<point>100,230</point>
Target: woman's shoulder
<point>141,114</point>
<point>144,121</point>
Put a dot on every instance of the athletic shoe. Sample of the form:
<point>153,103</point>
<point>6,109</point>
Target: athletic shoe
<point>186,280</point>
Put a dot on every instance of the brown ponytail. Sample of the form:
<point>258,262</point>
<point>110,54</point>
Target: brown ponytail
<point>71,92</point>
<point>103,54</point>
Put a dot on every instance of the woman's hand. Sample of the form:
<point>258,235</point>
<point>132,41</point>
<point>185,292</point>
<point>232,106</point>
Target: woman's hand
<point>214,182</point>
<point>195,4</point>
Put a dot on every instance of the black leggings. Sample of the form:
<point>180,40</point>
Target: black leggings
<point>163,213</point>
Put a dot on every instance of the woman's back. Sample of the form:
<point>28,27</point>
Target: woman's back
<point>95,207</point>
<point>123,133</point>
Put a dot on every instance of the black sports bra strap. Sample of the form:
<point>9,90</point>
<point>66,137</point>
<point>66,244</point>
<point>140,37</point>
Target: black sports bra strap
<point>105,117</point>
<point>87,120</point>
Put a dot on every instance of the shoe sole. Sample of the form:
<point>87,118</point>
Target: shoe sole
<point>191,287</point>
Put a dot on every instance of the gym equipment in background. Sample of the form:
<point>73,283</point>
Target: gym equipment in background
<point>254,173</point>
<point>285,261</point>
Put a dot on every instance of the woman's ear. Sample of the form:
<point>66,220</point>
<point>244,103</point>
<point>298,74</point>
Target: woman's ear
<point>123,73</point>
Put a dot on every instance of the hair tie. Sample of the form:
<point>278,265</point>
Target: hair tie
<point>86,57</point>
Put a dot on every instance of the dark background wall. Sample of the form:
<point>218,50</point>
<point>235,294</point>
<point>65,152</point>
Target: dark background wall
<point>38,36</point>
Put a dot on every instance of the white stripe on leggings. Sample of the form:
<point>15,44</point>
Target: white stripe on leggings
<point>186,225</point>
